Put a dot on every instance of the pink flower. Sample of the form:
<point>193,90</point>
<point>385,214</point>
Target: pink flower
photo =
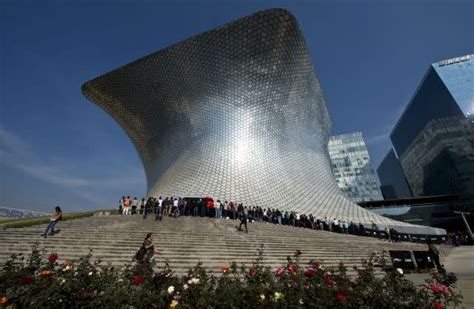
<point>138,280</point>
<point>341,297</point>
<point>279,272</point>
<point>439,289</point>
<point>292,268</point>
<point>310,272</point>
<point>329,281</point>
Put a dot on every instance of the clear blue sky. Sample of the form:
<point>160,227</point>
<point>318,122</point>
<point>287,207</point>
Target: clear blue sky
<point>57,148</point>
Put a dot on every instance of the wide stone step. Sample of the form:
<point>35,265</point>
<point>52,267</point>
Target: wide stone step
<point>186,240</point>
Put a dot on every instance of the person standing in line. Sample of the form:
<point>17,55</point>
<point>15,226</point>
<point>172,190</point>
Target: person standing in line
<point>146,208</point>
<point>388,234</point>
<point>217,208</point>
<point>121,204</point>
<point>335,223</point>
<point>174,211</point>
<point>376,228</point>
<point>134,205</point>
<point>126,206</point>
<point>224,209</point>
<point>142,206</point>
<point>159,209</point>
<point>345,227</point>
<point>55,218</point>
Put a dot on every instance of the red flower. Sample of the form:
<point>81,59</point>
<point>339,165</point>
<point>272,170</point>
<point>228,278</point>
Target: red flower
<point>307,283</point>
<point>437,304</point>
<point>292,268</point>
<point>310,272</point>
<point>138,280</point>
<point>279,272</point>
<point>252,272</point>
<point>26,280</point>
<point>298,252</point>
<point>341,297</point>
<point>53,257</point>
<point>329,281</point>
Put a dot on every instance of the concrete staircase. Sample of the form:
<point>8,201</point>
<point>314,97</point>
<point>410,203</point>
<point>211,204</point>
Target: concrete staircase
<point>186,240</point>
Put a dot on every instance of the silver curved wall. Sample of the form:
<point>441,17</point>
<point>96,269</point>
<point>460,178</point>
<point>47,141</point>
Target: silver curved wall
<point>235,113</point>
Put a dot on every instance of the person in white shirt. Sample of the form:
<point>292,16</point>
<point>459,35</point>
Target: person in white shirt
<point>336,225</point>
<point>224,211</point>
<point>330,224</point>
<point>134,205</point>
<point>175,211</point>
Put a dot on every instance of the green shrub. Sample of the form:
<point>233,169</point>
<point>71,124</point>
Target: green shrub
<point>38,282</point>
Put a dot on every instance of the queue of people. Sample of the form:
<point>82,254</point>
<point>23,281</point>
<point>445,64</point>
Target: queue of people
<point>207,207</point>
<point>459,238</point>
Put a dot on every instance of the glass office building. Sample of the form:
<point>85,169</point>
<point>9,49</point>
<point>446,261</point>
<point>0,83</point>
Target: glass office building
<point>351,166</point>
<point>393,183</point>
<point>441,159</point>
<point>434,137</point>
<point>446,90</point>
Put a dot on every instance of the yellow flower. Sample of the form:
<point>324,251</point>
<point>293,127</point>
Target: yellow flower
<point>262,297</point>
<point>174,303</point>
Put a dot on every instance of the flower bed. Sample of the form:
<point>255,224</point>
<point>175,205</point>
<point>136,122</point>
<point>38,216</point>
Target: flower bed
<point>43,282</point>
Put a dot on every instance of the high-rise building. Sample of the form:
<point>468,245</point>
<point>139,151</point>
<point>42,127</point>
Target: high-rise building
<point>433,137</point>
<point>446,90</point>
<point>393,183</point>
<point>440,160</point>
<point>237,114</point>
<point>351,166</point>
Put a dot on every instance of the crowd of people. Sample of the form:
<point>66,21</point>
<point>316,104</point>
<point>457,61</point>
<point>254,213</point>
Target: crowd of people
<point>207,207</point>
<point>459,238</point>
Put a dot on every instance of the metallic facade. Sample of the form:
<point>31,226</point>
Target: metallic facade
<point>235,113</point>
